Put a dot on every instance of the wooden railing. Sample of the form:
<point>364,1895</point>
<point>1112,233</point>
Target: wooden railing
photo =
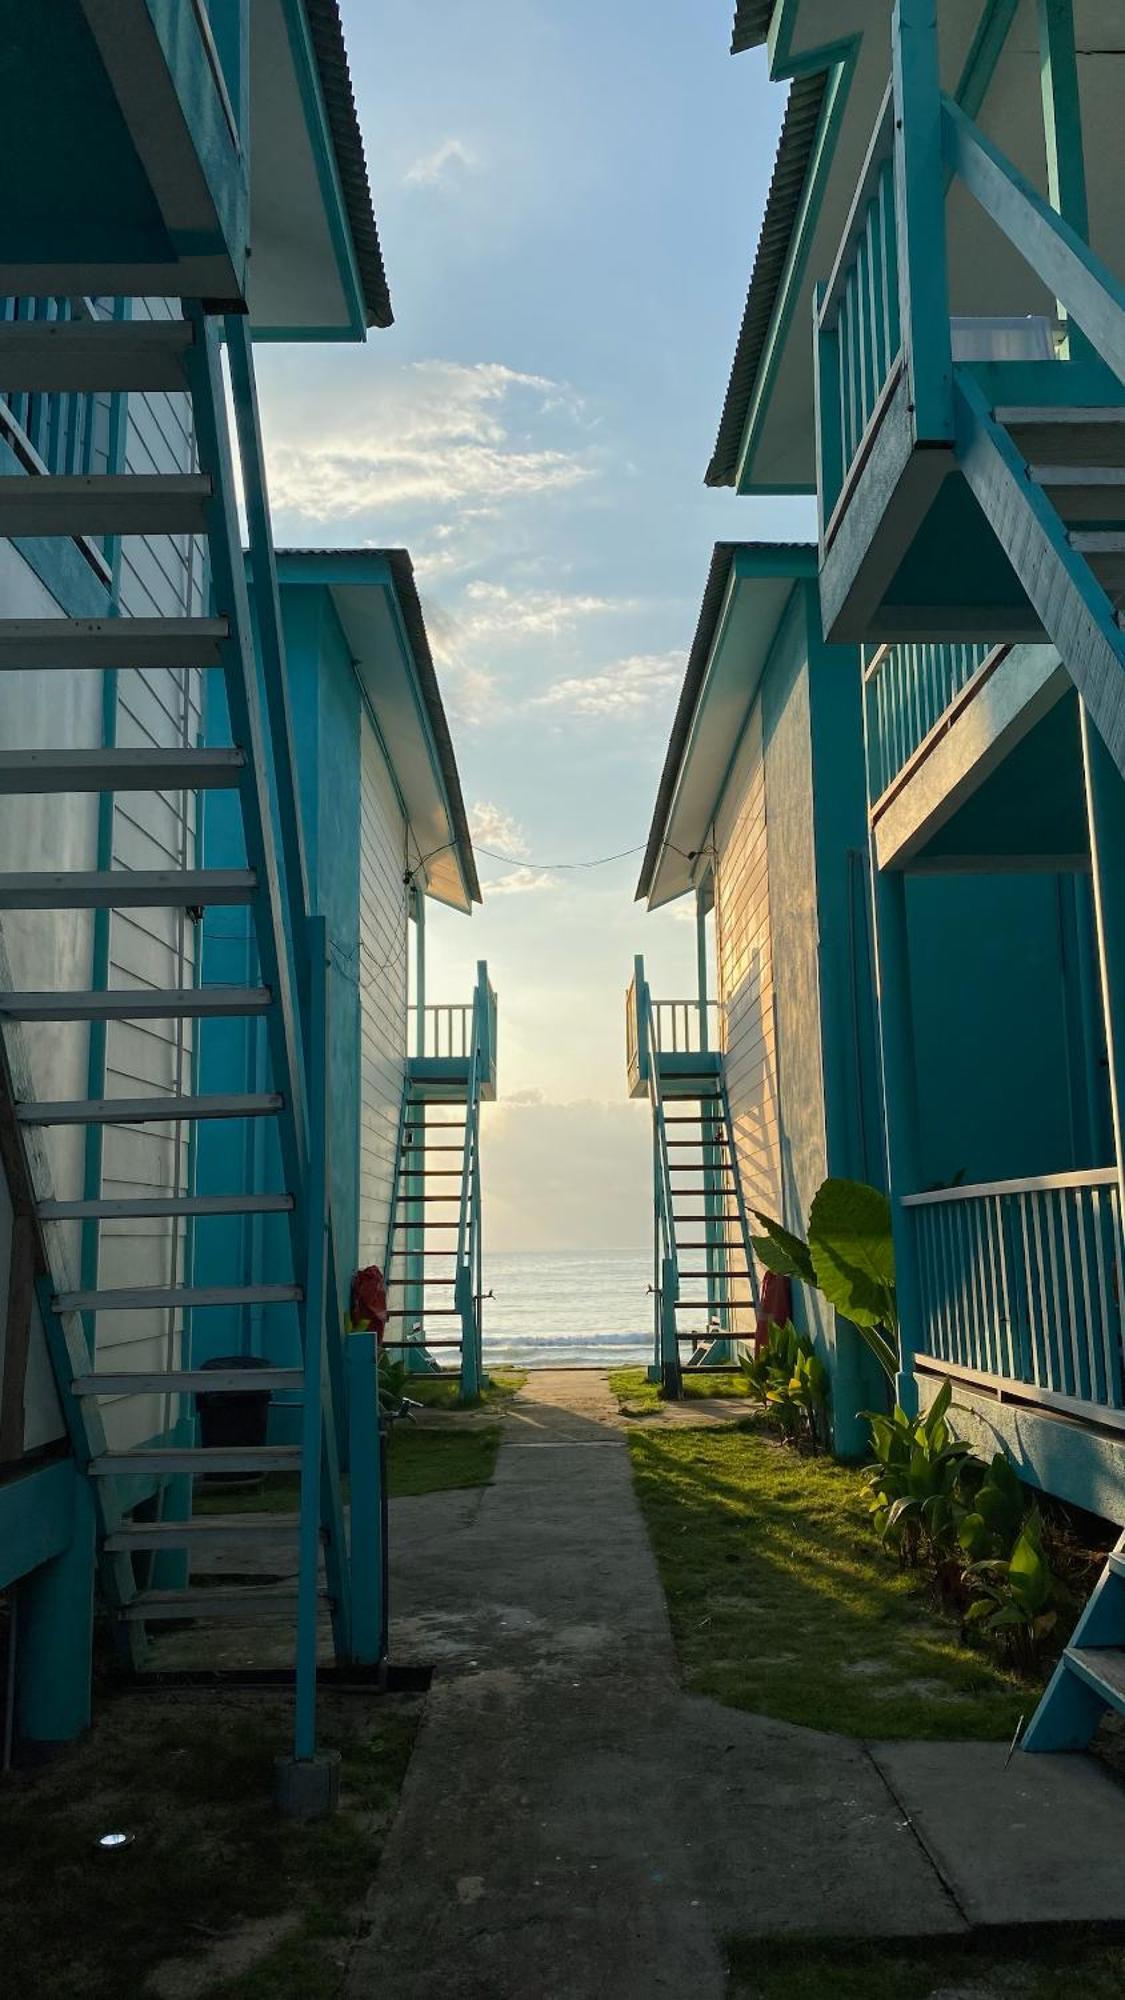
<point>908,689</point>
<point>858,319</point>
<point>441,1033</point>
<point>1020,1284</point>
<point>686,1027</point>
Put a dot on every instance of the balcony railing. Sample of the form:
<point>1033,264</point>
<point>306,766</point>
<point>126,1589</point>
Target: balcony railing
<point>859,319</point>
<point>686,1027</point>
<point>442,1033</point>
<point>1020,1283</point>
<point>908,690</point>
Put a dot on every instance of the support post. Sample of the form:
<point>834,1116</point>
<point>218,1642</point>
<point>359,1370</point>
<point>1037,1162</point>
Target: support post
<point>366,1461</point>
<point>419,973</point>
<point>1105,808</point>
<point>920,219</point>
<point>313,1313</point>
<point>900,1105</point>
<point>55,1636</point>
<point>1062,131</point>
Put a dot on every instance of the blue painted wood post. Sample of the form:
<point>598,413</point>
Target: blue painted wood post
<point>54,1612</point>
<point>1105,809</point>
<point>313,1315</point>
<point>826,401</point>
<point>366,1508</point>
<point>920,182</point>
<point>1062,128</point>
<point>896,1042</point>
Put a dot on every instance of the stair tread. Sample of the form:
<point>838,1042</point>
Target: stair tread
<point>135,1003</point>
<point>214,1530</point>
<point>97,643</point>
<point>1106,1664</point>
<point>200,1601</point>
<point>142,1110</point>
<point>40,771</point>
<point>138,1297</point>
<point>200,1381</point>
<point>198,1458</point>
<point>42,357</point>
<point>94,503</point>
<point>126,888</point>
<point>128,1207</point>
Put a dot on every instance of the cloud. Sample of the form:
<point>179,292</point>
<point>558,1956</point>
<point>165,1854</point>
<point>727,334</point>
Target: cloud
<point>491,826</point>
<point>521,882</point>
<point>644,680</point>
<point>494,611</point>
<point>440,433</point>
<point>571,1176</point>
<point>433,168</point>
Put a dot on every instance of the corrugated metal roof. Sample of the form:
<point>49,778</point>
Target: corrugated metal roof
<point>751,24</point>
<point>794,153</point>
<point>718,577</point>
<point>327,34</point>
<point>402,572</point>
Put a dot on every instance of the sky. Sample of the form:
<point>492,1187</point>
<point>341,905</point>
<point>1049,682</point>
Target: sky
<point>568,199</point>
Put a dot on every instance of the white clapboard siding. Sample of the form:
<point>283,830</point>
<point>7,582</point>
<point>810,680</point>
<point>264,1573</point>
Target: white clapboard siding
<point>745,966</point>
<point>382,973</point>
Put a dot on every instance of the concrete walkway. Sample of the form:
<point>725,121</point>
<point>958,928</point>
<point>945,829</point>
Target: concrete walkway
<point>575,1826</point>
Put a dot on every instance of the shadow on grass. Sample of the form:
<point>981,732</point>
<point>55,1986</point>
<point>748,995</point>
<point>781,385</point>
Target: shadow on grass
<point>191,1778</point>
<point>782,1601</point>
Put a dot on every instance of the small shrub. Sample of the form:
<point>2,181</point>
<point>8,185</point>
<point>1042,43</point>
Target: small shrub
<point>789,1380</point>
<point>1015,1606</point>
<point>919,1481</point>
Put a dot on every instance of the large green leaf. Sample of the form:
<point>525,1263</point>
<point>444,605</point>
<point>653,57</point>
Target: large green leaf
<point>779,1250</point>
<point>852,1251</point>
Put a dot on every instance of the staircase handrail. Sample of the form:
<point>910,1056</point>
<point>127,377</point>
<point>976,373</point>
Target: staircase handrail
<point>1085,287</point>
<point>647,1042</point>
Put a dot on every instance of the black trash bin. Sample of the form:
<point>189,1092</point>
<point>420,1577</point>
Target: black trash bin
<point>239,1419</point>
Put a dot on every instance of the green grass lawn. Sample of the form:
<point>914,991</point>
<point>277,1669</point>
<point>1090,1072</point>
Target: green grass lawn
<point>638,1397</point>
<point>418,1461</point>
<point>783,1602</point>
<point>191,1778</point>
<point>1051,1968</point>
<point>436,1394</point>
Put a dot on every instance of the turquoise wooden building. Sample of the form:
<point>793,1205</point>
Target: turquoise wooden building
<point>934,346</point>
<point>225,785</point>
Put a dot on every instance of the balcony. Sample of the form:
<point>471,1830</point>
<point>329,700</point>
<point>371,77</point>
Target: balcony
<point>445,1041</point>
<point>1020,1292</point>
<point>970,469</point>
<point>687,1036</point>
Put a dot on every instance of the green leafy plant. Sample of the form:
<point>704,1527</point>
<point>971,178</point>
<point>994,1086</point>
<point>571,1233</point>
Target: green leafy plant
<point>919,1480</point>
<point>790,1381</point>
<point>849,1258</point>
<point>1014,1605</point>
<point>393,1379</point>
<point>997,1514</point>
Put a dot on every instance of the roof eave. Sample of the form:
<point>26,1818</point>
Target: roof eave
<point>326,34</point>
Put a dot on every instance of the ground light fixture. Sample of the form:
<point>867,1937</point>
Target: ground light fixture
<point>112,1843</point>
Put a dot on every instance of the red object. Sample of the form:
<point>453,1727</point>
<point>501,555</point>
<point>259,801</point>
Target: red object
<point>369,1300</point>
<point>775,1307</point>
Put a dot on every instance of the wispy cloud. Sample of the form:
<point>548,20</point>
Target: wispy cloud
<point>521,882</point>
<point>446,161</point>
<point>439,434</point>
<point>496,611</point>
<point>492,827</point>
<point>643,681</point>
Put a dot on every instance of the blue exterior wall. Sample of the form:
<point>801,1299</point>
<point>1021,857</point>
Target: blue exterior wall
<point>995,985</point>
<point>325,710</point>
<point>827,1072</point>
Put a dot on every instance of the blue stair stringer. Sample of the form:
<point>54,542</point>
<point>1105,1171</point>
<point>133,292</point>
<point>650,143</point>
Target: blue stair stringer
<point>337,1390</point>
<point>435,1215</point>
<point>719,1234</point>
<point>1089,1680</point>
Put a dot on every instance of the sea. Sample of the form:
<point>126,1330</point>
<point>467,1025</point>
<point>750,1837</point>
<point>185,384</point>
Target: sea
<point>567,1309</point>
